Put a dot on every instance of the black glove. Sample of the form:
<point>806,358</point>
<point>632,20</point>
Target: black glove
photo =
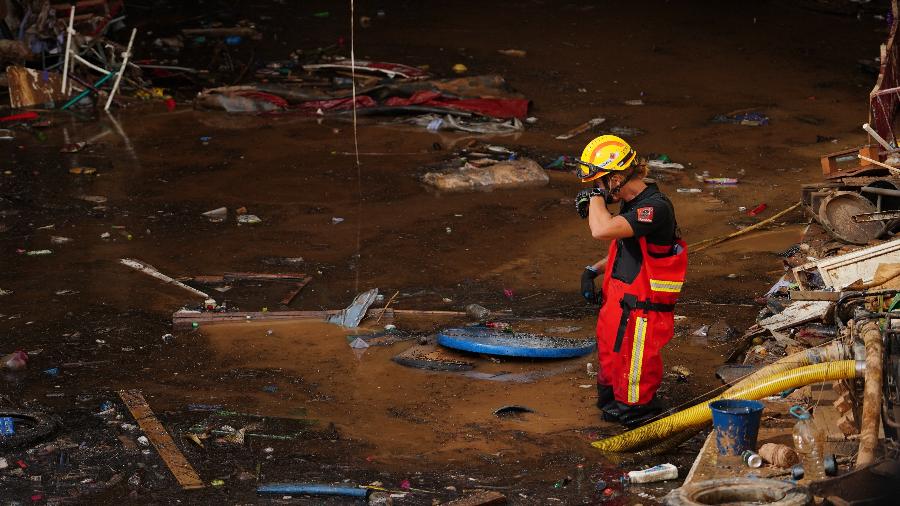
<point>583,199</point>
<point>587,286</point>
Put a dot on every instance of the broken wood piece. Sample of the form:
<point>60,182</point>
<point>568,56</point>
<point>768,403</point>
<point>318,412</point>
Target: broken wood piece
<point>152,271</point>
<point>30,87</point>
<point>386,306</point>
<point>797,313</point>
<point>702,245</point>
<point>176,462</point>
<point>580,129</point>
<point>814,295</point>
<point>488,498</point>
<point>262,276</point>
<point>840,271</point>
<point>298,287</point>
<point>187,318</point>
<point>843,403</point>
<point>847,424</point>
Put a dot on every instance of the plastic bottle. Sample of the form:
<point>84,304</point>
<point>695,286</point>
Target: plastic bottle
<point>809,442</point>
<point>477,313</point>
<point>661,472</point>
<point>14,361</point>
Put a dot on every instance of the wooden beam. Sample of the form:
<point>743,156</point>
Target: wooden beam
<point>289,297</point>
<point>814,295</point>
<point>176,462</point>
<point>186,318</point>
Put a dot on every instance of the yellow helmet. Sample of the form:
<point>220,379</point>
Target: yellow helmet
<point>604,154</point>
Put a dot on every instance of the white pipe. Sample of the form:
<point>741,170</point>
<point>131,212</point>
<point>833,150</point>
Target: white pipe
<point>878,138</point>
<point>91,65</point>
<point>125,56</point>
<point>152,271</point>
<point>69,32</point>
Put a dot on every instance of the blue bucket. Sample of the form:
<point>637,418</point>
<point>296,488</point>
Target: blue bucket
<point>737,424</point>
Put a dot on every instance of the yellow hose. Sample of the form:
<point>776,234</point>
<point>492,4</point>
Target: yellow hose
<point>700,413</point>
<point>833,351</point>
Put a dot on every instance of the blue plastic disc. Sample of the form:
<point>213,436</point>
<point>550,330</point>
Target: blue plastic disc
<point>481,339</point>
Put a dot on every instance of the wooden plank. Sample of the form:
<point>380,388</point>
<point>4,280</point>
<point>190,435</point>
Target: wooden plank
<point>814,295</point>
<point>186,318</point>
<point>289,297</point>
<point>29,87</point>
<point>176,462</point>
<point>488,498</point>
<point>263,276</point>
<point>797,313</point>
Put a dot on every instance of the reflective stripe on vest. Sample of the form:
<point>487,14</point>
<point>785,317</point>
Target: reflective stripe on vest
<point>662,285</point>
<point>637,357</point>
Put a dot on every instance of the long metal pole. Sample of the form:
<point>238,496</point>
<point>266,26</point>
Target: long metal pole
<point>69,33</point>
<point>121,71</point>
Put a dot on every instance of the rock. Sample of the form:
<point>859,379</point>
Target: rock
<point>509,174</point>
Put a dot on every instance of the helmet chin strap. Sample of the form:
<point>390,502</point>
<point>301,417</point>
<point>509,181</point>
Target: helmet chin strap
<point>618,188</point>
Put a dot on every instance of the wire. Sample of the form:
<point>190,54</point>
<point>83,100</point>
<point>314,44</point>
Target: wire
<point>356,144</point>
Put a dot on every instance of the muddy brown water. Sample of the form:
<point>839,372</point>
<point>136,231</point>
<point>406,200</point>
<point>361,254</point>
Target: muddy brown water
<point>365,418</point>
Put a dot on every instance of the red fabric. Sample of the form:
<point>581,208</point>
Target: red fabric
<point>616,368</point>
<point>266,97</point>
<point>494,107</point>
<point>25,116</point>
<point>338,104</point>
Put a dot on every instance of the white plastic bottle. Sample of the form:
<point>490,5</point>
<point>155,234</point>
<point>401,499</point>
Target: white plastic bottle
<point>809,442</point>
<point>661,472</point>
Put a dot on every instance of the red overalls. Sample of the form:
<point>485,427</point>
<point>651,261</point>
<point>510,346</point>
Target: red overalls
<point>636,320</point>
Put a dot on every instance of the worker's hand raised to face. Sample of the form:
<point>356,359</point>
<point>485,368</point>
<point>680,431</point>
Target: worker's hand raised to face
<point>583,199</point>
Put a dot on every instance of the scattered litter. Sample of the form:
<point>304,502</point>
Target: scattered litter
<point>756,210</point>
<point>702,331</point>
<point>5,292</point>
<point>15,361</point>
<point>248,219</point>
<point>562,330</point>
<point>217,215</point>
<point>634,102</point>
<point>659,164</point>
<point>518,53</point>
<point>359,344</point>
<point>95,199</point>
<point>459,68</point>
<point>626,131</point>
<point>83,171</point>
<point>354,314</point>
<point>689,190</point>
<point>335,220</point>
<point>38,253</point>
<point>73,147</point>
<point>143,441</point>
<point>745,119</point>
<point>55,239</point>
<point>580,129</point>
<point>508,174</point>
<point>727,181</point>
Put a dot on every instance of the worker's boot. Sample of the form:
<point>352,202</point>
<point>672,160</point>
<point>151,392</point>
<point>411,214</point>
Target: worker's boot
<point>636,415</point>
<point>605,395</point>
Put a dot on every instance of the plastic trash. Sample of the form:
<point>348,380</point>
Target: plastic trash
<point>702,331</point>
<point>478,313</point>
<point>249,219</point>
<point>15,361</point>
<point>809,441</point>
<point>335,220</point>
<point>217,215</point>
<point>751,459</point>
<point>359,344</point>
<point>661,472</point>
<point>7,427</point>
<point>354,314</point>
<point>689,190</point>
<point>756,210</point>
<point>724,181</point>
<point>459,68</point>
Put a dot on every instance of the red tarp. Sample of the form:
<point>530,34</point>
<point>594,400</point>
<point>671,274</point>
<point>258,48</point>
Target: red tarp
<point>496,107</point>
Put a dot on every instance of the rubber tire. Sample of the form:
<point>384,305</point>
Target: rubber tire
<point>740,491</point>
<point>41,426</point>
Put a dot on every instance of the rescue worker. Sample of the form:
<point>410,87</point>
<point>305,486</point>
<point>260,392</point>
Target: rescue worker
<point>643,273</point>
